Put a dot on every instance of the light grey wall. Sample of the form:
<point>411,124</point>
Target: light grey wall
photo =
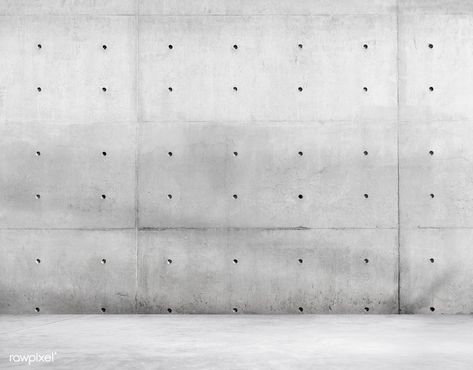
<point>300,191</point>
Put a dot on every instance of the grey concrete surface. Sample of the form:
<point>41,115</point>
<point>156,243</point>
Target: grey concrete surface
<point>170,138</point>
<point>316,271</point>
<point>239,342</point>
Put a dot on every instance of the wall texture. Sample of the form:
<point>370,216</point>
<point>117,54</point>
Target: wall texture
<point>251,156</point>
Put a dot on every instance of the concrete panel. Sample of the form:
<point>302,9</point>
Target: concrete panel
<point>332,68</point>
<point>435,7</point>
<point>435,159</point>
<point>70,276</point>
<point>266,7</point>
<point>66,167</point>
<point>268,276</point>
<point>445,67</point>
<point>58,7</point>
<point>65,58</point>
<point>443,284</point>
<point>325,163</point>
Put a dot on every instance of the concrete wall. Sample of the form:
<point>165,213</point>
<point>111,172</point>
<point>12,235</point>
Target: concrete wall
<point>251,156</point>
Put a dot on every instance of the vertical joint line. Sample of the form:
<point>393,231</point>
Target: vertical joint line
<point>398,170</point>
<point>137,132</point>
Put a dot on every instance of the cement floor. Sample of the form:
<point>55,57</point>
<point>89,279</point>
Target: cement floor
<point>239,342</point>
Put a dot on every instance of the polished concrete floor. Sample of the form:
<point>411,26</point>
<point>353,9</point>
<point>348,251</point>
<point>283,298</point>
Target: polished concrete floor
<point>237,342</point>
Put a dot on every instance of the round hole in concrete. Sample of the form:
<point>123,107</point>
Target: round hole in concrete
<point>300,260</point>
<point>235,261</point>
<point>235,46</point>
<point>235,154</point>
<point>170,47</point>
<point>169,261</point>
<point>300,88</point>
<point>432,309</point>
<point>365,152</point>
<point>301,309</point>
<point>104,196</point>
<point>103,261</point>
<point>431,260</point>
<point>365,195</point>
<point>170,310</point>
<point>300,154</point>
<point>103,309</point>
<point>169,196</point>
<point>431,88</point>
<point>37,309</point>
<point>39,89</point>
<point>170,154</point>
<point>431,46</point>
<point>431,152</point>
<point>104,154</point>
<point>104,47</point>
<point>300,196</point>
<point>38,261</point>
<point>235,196</point>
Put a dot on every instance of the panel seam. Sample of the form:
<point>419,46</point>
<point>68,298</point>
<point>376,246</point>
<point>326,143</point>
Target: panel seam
<point>398,171</point>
